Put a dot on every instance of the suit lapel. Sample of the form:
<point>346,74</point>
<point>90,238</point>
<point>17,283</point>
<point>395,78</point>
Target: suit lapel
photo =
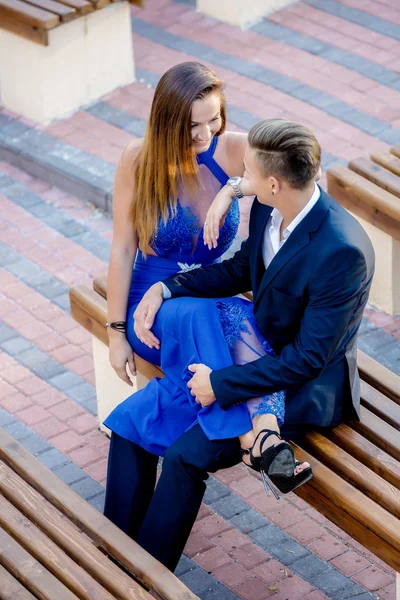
<point>296,241</point>
<point>261,217</point>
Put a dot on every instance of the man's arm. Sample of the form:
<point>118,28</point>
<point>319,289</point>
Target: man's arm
<point>228,278</point>
<point>336,292</point>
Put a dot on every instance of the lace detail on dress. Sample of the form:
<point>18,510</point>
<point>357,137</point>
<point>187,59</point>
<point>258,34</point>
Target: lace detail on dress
<point>271,404</point>
<point>232,317</point>
<point>178,232</point>
<point>229,229</point>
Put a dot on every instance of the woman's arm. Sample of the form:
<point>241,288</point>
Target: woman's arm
<point>123,253</point>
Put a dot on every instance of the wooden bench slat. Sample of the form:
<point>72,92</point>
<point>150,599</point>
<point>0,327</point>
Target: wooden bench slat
<point>103,532</point>
<point>347,507</point>
<point>388,161</point>
<point>34,576</point>
<point>365,199</point>
<point>379,376</point>
<point>353,471</point>
<point>365,451</point>
<point>66,13</point>
<point>100,3</point>
<point>36,17</point>
<point>66,535</point>
<point>11,589</point>
<point>49,554</point>
<point>378,432</point>
<point>380,405</point>
<point>90,310</point>
<point>395,150</point>
<point>377,174</point>
<point>83,7</point>
<point>39,36</point>
<point>100,286</point>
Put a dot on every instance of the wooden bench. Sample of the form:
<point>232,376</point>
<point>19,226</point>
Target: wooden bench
<point>55,546</point>
<point>68,46</point>
<point>356,465</point>
<point>370,190</point>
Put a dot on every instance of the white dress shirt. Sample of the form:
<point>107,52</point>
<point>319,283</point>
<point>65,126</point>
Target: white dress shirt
<point>272,242</point>
<point>272,235</point>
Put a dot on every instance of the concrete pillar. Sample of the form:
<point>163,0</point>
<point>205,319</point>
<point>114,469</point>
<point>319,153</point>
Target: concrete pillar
<point>239,12</point>
<point>85,59</point>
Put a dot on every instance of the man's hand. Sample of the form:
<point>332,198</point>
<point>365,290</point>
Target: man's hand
<point>200,385</point>
<point>146,313</point>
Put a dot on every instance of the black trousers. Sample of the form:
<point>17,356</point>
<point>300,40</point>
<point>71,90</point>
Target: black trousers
<point>160,518</point>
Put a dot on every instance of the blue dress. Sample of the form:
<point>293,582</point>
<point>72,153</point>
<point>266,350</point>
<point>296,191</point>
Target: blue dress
<point>216,332</point>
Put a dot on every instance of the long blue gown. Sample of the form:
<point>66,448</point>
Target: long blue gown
<point>216,332</point>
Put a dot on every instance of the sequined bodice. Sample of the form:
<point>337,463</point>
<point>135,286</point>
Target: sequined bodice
<point>180,238</point>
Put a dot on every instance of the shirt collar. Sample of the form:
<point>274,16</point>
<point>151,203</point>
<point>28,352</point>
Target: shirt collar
<point>276,216</point>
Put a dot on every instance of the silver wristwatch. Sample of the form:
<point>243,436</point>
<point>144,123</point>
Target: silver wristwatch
<point>234,182</point>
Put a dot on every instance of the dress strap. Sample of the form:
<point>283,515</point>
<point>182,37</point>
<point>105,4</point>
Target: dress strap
<point>207,158</point>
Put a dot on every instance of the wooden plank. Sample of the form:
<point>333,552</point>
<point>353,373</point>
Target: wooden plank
<point>83,7</point>
<point>359,516</point>
<point>90,310</point>
<point>379,376</point>
<point>100,286</point>
<point>365,199</point>
<point>152,574</point>
<point>353,471</point>
<point>31,15</point>
<point>395,150</point>
<point>365,451</point>
<point>67,536</point>
<point>30,572</point>
<point>378,432</point>
<point>384,179</point>
<point>39,36</point>
<point>65,13</point>
<point>45,551</point>
<point>380,405</point>
<point>100,3</point>
<point>388,161</point>
<point>11,589</point>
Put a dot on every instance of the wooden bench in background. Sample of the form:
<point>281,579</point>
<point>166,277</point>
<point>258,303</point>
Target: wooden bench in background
<point>356,465</point>
<point>55,546</point>
<point>370,190</point>
<point>65,53</point>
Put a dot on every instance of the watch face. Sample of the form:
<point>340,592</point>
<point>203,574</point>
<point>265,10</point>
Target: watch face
<point>234,180</point>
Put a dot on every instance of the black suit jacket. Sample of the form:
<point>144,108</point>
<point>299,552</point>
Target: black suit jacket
<point>308,304</point>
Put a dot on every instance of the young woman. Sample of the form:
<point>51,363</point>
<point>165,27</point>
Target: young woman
<point>164,187</point>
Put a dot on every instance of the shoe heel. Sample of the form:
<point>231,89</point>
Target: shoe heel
<point>268,486</point>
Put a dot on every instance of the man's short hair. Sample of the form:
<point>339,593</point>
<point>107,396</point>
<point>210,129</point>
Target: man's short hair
<point>286,150</point>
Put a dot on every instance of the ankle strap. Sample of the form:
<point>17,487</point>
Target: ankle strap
<point>268,433</point>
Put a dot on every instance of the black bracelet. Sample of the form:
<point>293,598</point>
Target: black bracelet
<point>118,326</point>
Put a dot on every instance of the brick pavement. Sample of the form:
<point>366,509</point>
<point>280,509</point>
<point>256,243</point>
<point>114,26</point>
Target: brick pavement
<point>314,61</point>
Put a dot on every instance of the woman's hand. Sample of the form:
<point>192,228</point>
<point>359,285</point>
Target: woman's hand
<point>121,354</point>
<point>145,314</point>
<point>216,215</point>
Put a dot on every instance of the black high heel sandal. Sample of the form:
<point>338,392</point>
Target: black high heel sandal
<point>276,466</point>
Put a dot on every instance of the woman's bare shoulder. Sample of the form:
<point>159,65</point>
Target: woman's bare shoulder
<point>235,141</point>
<point>130,154</point>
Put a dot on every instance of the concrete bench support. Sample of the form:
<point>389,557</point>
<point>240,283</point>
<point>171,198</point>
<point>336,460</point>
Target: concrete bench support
<point>84,59</point>
<point>239,13</point>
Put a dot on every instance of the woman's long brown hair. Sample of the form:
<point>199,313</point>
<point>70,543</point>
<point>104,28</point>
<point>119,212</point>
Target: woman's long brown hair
<point>167,155</point>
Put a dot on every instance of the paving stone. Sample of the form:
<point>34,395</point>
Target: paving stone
<point>87,488</point>
<point>8,255</point>
<point>214,491</point>
<point>40,363</point>
<point>64,381</point>
<point>27,199</point>
<point>53,458</point>
<point>70,473</point>
<point>241,118</point>
<point>185,564</point>
<point>52,289</point>
<point>229,506</point>
<point>98,501</point>
<point>42,211</point>
<point>5,417</point>
<point>217,591</point>
<point>248,521</point>
<point>16,345</point>
<point>269,537</point>
<point>309,566</point>
<point>288,552</point>
<point>6,333</point>
<point>35,444</point>
<point>332,583</point>
<point>197,580</point>
<point>63,301</point>
<point>18,430</point>
<point>6,182</point>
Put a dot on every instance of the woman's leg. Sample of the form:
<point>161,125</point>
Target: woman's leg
<point>131,479</point>
<point>246,345</point>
